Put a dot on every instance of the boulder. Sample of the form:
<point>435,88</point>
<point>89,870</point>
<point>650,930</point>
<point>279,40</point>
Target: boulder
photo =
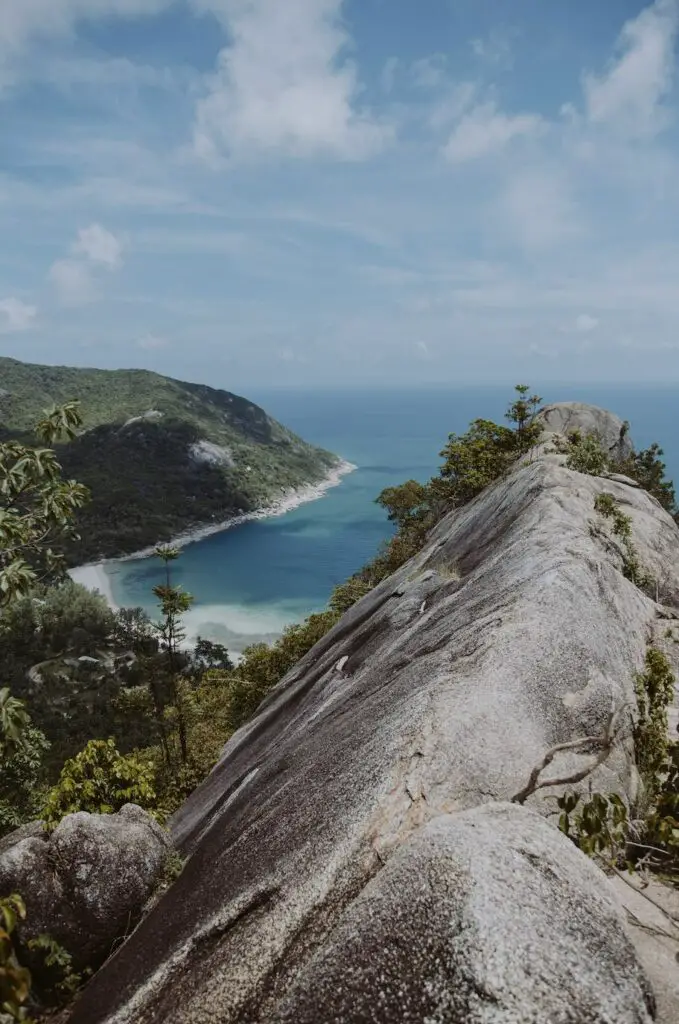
<point>86,882</point>
<point>514,630</point>
<point>564,417</point>
<point>490,915</point>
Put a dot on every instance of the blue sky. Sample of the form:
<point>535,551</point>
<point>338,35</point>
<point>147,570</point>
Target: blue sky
<point>341,191</point>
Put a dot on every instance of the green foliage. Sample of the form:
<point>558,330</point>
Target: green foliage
<point>43,637</point>
<point>655,690</point>
<point>345,595</point>
<point>15,980</point>
<point>22,780</point>
<point>148,487</point>
<point>648,469</point>
<point>37,506</point>
<point>598,825</point>
<point>522,412</point>
<point>607,506</point>
<point>408,505</point>
<point>100,780</point>
<point>13,722</point>
<point>263,666</point>
<point>170,706</point>
<point>208,655</point>
<point>585,453</point>
<point>471,462</point>
<point>474,460</point>
<point>662,824</point>
<point>53,973</point>
<point>22,747</point>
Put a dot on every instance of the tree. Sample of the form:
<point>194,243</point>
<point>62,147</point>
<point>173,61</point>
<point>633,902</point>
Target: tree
<point>37,505</point>
<point>522,412</point>
<point>648,469</point>
<point>173,603</point>
<point>22,780</point>
<point>208,655</point>
<point>14,720</point>
<point>21,751</point>
<point>408,505</point>
<point>471,461</point>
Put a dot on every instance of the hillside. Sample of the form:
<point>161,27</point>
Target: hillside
<point>160,456</point>
<point>360,852</point>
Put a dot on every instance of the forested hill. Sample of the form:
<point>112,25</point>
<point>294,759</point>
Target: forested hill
<point>160,456</point>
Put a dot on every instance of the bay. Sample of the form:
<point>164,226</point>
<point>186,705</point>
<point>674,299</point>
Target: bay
<point>251,581</point>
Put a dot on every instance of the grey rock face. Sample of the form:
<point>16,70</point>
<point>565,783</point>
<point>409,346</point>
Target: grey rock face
<point>514,630</point>
<point>85,883</point>
<point>564,417</point>
<point>490,915</point>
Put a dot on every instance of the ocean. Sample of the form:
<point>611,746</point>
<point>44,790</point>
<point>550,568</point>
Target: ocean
<point>249,582</point>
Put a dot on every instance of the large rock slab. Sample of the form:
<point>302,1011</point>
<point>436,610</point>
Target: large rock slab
<point>565,417</point>
<point>514,630</point>
<point>486,916</point>
<point>85,883</point>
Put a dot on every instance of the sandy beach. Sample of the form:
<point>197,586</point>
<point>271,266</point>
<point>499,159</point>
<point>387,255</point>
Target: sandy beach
<point>95,577</point>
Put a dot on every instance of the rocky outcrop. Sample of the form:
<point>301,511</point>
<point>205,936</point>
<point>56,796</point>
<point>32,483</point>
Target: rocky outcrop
<point>341,842</point>
<point>564,417</point>
<point>486,915</point>
<point>85,883</point>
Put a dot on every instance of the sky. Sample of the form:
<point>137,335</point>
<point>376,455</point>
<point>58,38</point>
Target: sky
<point>342,192</point>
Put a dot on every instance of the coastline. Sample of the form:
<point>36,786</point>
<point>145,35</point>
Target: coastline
<point>93,575</point>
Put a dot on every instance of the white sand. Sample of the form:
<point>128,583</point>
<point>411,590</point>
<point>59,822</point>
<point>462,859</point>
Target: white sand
<point>95,576</point>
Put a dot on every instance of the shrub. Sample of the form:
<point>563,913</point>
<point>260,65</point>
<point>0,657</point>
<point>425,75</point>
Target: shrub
<point>655,690</point>
<point>648,469</point>
<point>37,506</point>
<point>15,980</point>
<point>607,506</point>
<point>100,780</point>
<point>584,454</point>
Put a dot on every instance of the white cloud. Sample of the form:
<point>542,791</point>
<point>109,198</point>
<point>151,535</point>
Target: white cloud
<point>629,95</point>
<point>586,323</point>
<point>495,49</point>
<point>16,315</point>
<point>75,277</point>
<point>389,72</point>
<point>152,342</point>
<point>284,85</point>
<point>73,282</point>
<point>100,246</point>
<point>538,208</point>
<point>485,130</point>
<point>430,72</point>
<point>23,19</point>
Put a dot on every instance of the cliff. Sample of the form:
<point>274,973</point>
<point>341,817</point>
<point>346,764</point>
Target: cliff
<point>160,456</point>
<point>355,856</point>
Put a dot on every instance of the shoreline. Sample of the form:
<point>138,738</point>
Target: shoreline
<point>93,575</point>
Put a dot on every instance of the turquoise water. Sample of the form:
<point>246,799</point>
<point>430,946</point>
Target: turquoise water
<point>249,582</point>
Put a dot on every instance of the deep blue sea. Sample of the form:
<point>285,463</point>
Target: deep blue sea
<point>252,580</point>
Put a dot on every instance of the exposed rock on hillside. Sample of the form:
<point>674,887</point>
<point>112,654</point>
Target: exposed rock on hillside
<point>563,417</point>
<point>486,915</point>
<point>86,882</point>
<point>337,869</point>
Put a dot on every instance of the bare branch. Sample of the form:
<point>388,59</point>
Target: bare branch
<point>604,743</point>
